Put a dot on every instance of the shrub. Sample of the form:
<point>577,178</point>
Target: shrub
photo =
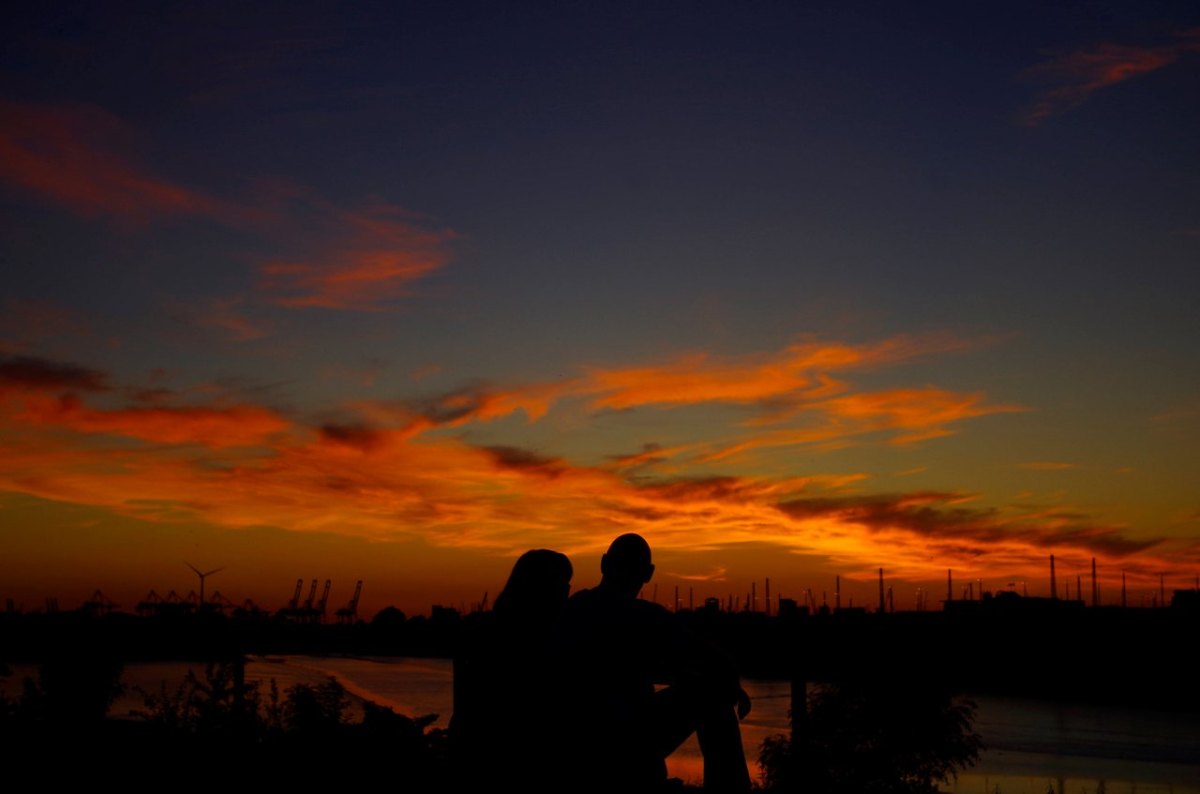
<point>873,739</point>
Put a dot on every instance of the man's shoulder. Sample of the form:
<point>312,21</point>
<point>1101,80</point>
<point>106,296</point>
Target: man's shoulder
<point>595,602</point>
<point>650,610</point>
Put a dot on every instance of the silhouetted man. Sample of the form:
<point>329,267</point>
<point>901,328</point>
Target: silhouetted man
<point>616,648</point>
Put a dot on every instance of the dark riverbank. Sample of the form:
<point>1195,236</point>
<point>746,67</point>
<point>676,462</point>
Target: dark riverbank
<point>1032,648</point>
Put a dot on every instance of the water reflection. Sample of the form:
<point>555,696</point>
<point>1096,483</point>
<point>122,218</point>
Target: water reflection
<point>1032,746</point>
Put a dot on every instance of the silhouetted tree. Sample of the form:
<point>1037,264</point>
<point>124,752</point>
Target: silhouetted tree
<point>215,705</point>
<point>312,711</point>
<point>893,738</point>
<point>389,619</point>
<point>70,692</point>
<point>280,734</point>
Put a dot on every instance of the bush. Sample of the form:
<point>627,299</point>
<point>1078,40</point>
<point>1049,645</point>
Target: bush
<point>873,739</point>
<point>278,737</point>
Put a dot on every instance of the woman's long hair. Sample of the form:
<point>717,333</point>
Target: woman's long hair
<point>537,588</point>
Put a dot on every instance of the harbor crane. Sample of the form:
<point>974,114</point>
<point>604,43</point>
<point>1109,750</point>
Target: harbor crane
<point>349,613</point>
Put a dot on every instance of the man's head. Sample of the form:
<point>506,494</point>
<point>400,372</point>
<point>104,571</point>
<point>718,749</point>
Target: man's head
<point>627,562</point>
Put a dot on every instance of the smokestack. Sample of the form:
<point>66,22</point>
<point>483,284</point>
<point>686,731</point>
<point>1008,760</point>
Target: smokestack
<point>1095,589</point>
<point>949,585</point>
<point>881,601</point>
<point>1053,581</point>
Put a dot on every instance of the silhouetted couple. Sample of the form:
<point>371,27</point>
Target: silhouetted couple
<point>560,694</point>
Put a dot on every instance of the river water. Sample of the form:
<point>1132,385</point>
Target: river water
<point>1033,747</point>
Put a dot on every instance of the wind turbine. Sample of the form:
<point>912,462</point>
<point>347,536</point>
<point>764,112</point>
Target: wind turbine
<point>203,575</point>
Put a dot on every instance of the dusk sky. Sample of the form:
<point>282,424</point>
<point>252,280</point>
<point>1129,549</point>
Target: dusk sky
<point>397,291</point>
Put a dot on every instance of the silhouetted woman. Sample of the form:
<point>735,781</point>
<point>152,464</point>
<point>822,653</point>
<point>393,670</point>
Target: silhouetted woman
<point>504,729</point>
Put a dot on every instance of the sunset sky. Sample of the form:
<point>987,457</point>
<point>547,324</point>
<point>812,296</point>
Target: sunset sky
<point>396,291</point>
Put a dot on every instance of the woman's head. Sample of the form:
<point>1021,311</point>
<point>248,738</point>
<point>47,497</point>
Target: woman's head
<point>538,585</point>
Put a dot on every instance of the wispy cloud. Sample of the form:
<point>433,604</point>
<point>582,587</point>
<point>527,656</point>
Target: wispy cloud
<point>76,156</point>
<point>237,425</point>
<point>911,414</point>
<point>652,455</point>
<point>374,260</point>
<point>1047,465</point>
<point>903,416</point>
<point>1075,76</point>
<point>29,322</point>
<point>798,374</point>
<point>474,402</point>
<point>1178,414</point>
<point>783,389</point>
<point>31,372</point>
<point>714,575</point>
<point>943,516</point>
<point>356,257</point>
<point>228,316</point>
<point>40,392</point>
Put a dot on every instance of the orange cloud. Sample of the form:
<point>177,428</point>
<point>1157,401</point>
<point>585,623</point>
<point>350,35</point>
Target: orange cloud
<point>914,414</point>
<point>1047,466</point>
<point>474,403</point>
<point>799,372</point>
<point>238,425</point>
<point>828,434</point>
<point>40,393</point>
<point>910,415</point>
<point>74,156</point>
<point>650,455</point>
<point>380,477</point>
<point>786,387</point>
<point>384,483</point>
<point>780,386</point>
<point>1082,73</point>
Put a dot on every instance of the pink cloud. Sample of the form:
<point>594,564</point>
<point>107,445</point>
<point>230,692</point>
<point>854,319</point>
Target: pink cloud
<point>228,316</point>
<point>365,258</point>
<point>75,156</point>
<point>1080,74</point>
